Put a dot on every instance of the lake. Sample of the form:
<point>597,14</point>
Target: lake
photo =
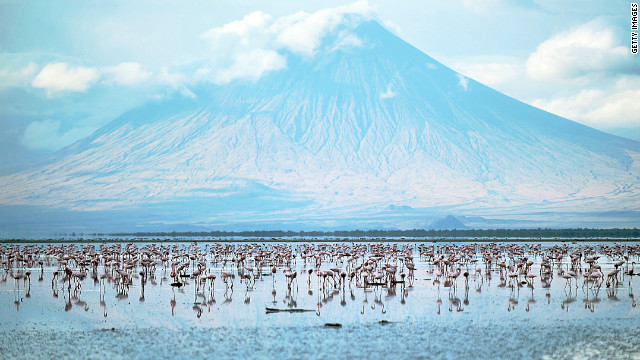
<point>122,300</point>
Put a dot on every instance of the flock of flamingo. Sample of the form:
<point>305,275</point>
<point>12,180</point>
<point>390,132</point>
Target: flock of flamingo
<point>328,268</point>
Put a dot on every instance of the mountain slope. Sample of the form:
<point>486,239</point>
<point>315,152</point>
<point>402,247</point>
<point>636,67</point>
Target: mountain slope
<point>332,141</point>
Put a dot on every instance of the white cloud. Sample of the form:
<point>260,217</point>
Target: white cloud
<point>393,27</point>
<point>251,31</point>
<point>347,40</point>
<point>251,65</point>
<point>589,77</point>
<point>302,33</point>
<point>493,73</point>
<point>584,51</point>
<point>203,74</point>
<point>463,82</point>
<point>600,108</point>
<point>127,73</point>
<point>63,77</point>
<point>572,107</point>
<point>234,44</point>
<point>18,77</point>
<point>388,94</point>
<point>175,80</point>
<point>48,135</point>
<point>618,109</point>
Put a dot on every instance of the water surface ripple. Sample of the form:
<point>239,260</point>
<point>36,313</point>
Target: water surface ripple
<point>117,305</point>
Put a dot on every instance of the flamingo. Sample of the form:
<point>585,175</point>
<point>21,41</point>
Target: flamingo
<point>454,276</point>
<point>612,275</point>
<point>567,277</point>
<point>530,277</point>
<point>466,279</point>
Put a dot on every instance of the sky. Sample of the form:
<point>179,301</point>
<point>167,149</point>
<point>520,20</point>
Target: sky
<point>68,67</point>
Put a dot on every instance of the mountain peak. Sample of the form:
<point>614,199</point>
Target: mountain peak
<point>449,222</point>
<point>331,140</point>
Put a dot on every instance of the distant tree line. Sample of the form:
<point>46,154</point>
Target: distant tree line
<point>468,233</point>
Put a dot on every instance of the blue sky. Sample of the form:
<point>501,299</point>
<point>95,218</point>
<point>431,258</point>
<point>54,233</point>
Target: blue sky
<point>68,67</point>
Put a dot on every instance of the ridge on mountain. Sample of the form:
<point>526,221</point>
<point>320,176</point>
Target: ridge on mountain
<point>370,134</point>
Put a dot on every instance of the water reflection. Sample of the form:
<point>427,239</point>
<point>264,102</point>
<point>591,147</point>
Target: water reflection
<point>569,299</point>
<point>370,279</point>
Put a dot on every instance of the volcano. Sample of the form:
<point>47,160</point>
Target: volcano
<point>369,134</point>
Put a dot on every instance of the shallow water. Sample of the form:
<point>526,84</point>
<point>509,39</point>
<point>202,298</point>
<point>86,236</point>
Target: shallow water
<point>486,319</point>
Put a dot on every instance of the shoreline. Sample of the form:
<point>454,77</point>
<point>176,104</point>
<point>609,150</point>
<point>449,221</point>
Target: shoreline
<point>312,240</point>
